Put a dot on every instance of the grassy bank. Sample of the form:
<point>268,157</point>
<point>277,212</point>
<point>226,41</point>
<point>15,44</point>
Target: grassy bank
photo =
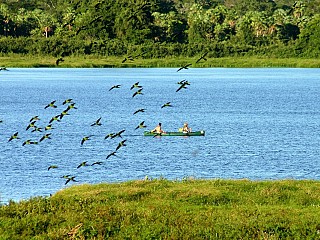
<point>95,61</point>
<point>162,209</point>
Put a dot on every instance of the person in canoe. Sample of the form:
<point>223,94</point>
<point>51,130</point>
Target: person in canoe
<point>157,129</point>
<point>186,128</point>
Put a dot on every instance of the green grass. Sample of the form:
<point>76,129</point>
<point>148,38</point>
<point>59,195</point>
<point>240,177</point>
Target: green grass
<point>90,61</point>
<point>163,209</point>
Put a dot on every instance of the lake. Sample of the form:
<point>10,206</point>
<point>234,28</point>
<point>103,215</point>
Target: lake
<point>260,124</point>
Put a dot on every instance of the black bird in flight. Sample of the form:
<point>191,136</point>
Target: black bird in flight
<point>35,118</point>
<point>135,85</point>
<point>70,179</point>
<point>64,113</point>
<point>139,110</point>
<point>52,167</point>
<point>183,84</point>
<point>127,58</point>
<point>69,100</point>
<point>59,60</point>
<point>46,136</point>
<point>86,138</point>
<point>184,67</point>
<point>55,118</point>
<point>51,105</point>
<point>202,57</point>
<point>83,164</point>
<point>48,127</point>
<point>115,86</point>
<point>14,136</point>
<point>121,144</point>
<point>65,176</point>
<point>97,122</point>
<point>138,92</point>
<point>28,142</point>
<point>32,124</point>
<point>141,125</point>
<point>168,104</point>
<point>71,106</point>
<point>111,154</point>
<point>110,135</point>
<point>96,163</point>
<point>157,134</point>
<point>118,134</point>
<point>3,69</point>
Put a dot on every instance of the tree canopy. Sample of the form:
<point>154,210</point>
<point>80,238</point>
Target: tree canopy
<point>100,26</point>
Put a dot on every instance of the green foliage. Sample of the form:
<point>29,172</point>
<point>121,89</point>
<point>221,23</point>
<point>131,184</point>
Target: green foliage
<point>97,27</point>
<point>162,209</point>
<point>310,38</point>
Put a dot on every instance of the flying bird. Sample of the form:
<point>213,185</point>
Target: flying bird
<point>14,136</point>
<point>157,134</point>
<point>184,67</point>
<point>202,57</point>
<point>69,100</point>
<point>63,113</point>
<point>139,110</point>
<point>141,125</point>
<point>52,104</point>
<point>183,85</point>
<point>55,118</point>
<point>138,92</point>
<point>52,167</point>
<point>48,127</point>
<point>35,118</point>
<point>127,58</point>
<point>115,86</point>
<point>86,138</point>
<point>111,154</point>
<point>65,176</point>
<point>118,134</point>
<point>70,179</point>
<point>46,136</point>
<point>59,60</point>
<point>135,85</point>
<point>121,144</point>
<point>110,135</point>
<point>32,124</point>
<point>71,106</point>
<point>83,164</point>
<point>168,104</point>
<point>28,142</point>
<point>97,122</point>
<point>96,163</point>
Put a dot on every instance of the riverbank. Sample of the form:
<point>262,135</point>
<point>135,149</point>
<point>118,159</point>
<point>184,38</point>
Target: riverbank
<point>90,61</point>
<point>163,209</point>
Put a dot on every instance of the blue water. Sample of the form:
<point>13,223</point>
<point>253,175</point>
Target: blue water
<point>260,124</point>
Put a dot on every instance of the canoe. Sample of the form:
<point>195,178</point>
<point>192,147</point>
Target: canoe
<point>197,133</point>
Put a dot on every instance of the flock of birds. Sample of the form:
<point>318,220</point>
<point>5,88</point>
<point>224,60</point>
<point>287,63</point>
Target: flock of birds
<point>46,131</point>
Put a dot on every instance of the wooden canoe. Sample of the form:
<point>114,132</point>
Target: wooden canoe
<point>197,133</point>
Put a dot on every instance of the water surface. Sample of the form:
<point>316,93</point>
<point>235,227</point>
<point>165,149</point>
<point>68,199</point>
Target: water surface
<point>260,124</point>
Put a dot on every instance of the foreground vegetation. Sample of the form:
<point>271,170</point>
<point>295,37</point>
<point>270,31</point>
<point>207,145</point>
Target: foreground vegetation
<point>163,209</point>
<point>26,61</point>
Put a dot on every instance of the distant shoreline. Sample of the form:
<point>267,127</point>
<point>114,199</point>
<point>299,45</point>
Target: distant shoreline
<point>91,61</point>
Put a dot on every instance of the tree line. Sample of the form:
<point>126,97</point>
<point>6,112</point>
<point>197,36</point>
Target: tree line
<point>160,28</point>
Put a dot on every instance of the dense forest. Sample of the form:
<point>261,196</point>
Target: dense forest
<point>160,28</point>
